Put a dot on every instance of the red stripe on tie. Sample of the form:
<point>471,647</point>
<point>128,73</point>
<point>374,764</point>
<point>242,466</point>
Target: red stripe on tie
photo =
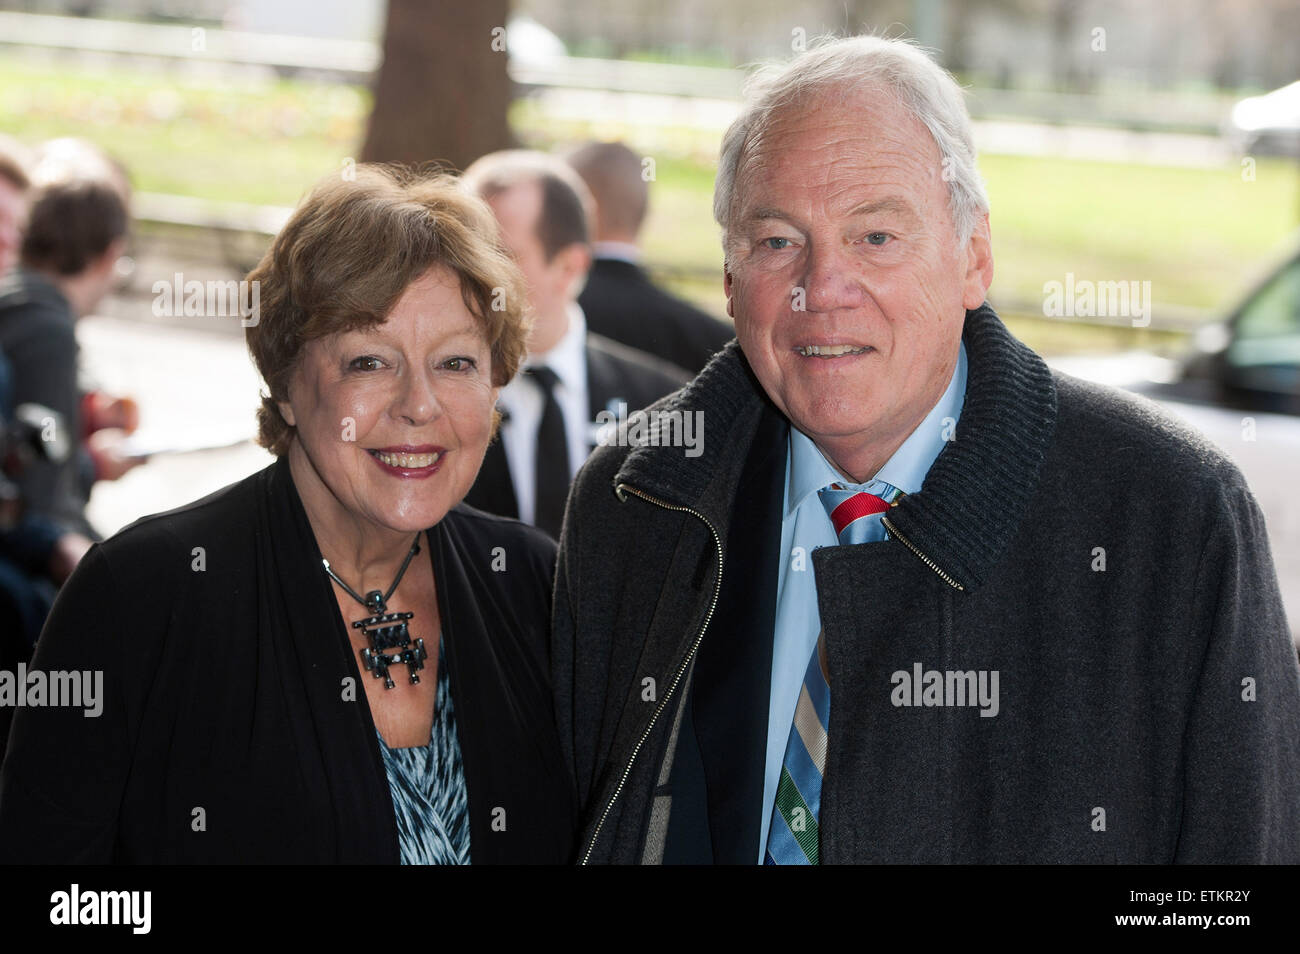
<point>859,505</point>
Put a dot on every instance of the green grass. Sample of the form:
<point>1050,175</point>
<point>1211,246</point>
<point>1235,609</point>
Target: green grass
<point>1196,234</point>
<point>251,142</point>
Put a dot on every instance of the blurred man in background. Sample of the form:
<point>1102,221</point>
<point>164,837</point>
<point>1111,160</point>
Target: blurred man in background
<point>13,201</point>
<point>76,232</point>
<point>570,376</point>
<point>620,301</point>
<point>37,552</point>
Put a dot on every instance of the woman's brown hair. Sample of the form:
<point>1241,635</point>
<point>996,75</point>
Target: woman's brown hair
<point>349,251</point>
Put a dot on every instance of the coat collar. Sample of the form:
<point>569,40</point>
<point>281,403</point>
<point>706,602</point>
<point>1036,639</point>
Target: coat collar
<point>974,495</point>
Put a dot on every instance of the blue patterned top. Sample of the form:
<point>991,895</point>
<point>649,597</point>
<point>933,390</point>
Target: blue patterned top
<point>427,784</point>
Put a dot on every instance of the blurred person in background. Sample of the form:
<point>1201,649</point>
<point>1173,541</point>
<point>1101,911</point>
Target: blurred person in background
<point>37,552</point>
<point>619,300</point>
<point>571,375</point>
<point>333,657</point>
<point>76,231</point>
<point>14,184</point>
<point>25,591</point>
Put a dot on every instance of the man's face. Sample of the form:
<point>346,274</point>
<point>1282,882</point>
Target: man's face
<point>844,273</point>
<point>518,211</point>
<point>13,220</point>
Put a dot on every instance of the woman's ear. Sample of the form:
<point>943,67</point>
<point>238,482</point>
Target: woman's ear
<point>496,416</point>
<point>286,412</point>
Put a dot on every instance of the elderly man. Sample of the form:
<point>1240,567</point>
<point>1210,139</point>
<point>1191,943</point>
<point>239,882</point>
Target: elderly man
<point>919,599</point>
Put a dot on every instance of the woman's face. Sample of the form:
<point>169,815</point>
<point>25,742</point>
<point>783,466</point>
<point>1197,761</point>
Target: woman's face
<point>393,421</point>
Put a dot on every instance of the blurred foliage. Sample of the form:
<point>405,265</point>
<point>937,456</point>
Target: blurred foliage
<point>1198,235</point>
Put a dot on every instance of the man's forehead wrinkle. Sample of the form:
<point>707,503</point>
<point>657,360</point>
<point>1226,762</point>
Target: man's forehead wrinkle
<point>830,155</point>
<point>848,187</point>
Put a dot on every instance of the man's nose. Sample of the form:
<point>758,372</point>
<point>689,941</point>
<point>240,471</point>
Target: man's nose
<point>831,279</point>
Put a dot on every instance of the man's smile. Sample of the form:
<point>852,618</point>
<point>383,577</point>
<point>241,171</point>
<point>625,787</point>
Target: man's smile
<point>831,351</point>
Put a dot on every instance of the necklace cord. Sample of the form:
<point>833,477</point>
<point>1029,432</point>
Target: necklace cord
<point>415,548</point>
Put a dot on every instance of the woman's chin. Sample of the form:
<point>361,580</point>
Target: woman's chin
<point>411,521</point>
<point>415,511</point>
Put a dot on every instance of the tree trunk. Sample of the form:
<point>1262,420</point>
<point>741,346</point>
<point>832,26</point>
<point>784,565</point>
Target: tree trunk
<point>442,90</point>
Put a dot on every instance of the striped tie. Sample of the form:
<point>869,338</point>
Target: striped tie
<point>793,835</point>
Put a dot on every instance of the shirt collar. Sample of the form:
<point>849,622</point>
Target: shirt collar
<point>568,358</point>
<point>809,470</point>
<point>622,251</point>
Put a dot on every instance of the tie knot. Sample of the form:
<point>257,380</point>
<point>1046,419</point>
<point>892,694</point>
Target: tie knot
<point>545,377</point>
<point>855,513</point>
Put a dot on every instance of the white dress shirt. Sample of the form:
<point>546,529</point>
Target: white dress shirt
<point>522,401</point>
<point>622,251</point>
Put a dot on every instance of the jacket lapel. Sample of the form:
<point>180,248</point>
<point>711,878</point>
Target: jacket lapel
<point>493,490</point>
<point>603,384</point>
<point>336,742</point>
<point>733,674</point>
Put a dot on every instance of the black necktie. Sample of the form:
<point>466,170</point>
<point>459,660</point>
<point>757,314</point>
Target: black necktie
<point>552,462</point>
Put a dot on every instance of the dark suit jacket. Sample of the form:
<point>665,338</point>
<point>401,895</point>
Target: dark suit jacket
<point>614,373</point>
<point>621,303</point>
<point>231,687</point>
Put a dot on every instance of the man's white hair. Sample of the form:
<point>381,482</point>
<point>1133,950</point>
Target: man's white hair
<point>919,85</point>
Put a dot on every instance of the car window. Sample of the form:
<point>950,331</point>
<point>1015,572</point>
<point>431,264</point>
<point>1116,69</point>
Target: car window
<point>1265,349</point>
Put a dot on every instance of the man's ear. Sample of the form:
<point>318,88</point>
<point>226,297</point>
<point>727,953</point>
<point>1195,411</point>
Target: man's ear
<point>573,261</point>
<point>726,288</point>
<point>979,264</point>
<point>108,260</point>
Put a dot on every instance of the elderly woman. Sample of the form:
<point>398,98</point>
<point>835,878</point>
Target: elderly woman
<point>333,660</point>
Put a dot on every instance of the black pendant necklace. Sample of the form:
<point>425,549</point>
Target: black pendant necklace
<point>387,631</point>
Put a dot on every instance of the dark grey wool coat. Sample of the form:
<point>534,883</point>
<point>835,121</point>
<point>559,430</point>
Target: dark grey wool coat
<point>1149,712</point>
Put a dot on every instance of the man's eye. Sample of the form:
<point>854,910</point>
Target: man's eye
<point>366,362</point>
<point>776,244</point>
<point>877,238</point>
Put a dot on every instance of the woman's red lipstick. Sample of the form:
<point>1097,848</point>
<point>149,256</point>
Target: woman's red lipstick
<point>408,460</point>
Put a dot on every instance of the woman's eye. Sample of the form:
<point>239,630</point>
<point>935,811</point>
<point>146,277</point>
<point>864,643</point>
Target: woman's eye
<point>776,244</point>
<point>877,238</point>
<point>366,362</point>
<point>459,364</point>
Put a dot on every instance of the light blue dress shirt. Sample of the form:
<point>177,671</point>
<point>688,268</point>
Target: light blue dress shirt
<point>806,526</point>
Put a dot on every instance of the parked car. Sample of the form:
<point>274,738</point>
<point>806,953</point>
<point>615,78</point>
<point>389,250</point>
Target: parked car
<point>1267,125</point>
<point>1240,388</point>
<point>1252,356</point>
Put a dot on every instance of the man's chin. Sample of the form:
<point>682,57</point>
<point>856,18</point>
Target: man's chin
<point>831,433</point>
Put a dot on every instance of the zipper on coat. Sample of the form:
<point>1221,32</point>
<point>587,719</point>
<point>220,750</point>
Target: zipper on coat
<point>893,531</point>
<point>622,490</point>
